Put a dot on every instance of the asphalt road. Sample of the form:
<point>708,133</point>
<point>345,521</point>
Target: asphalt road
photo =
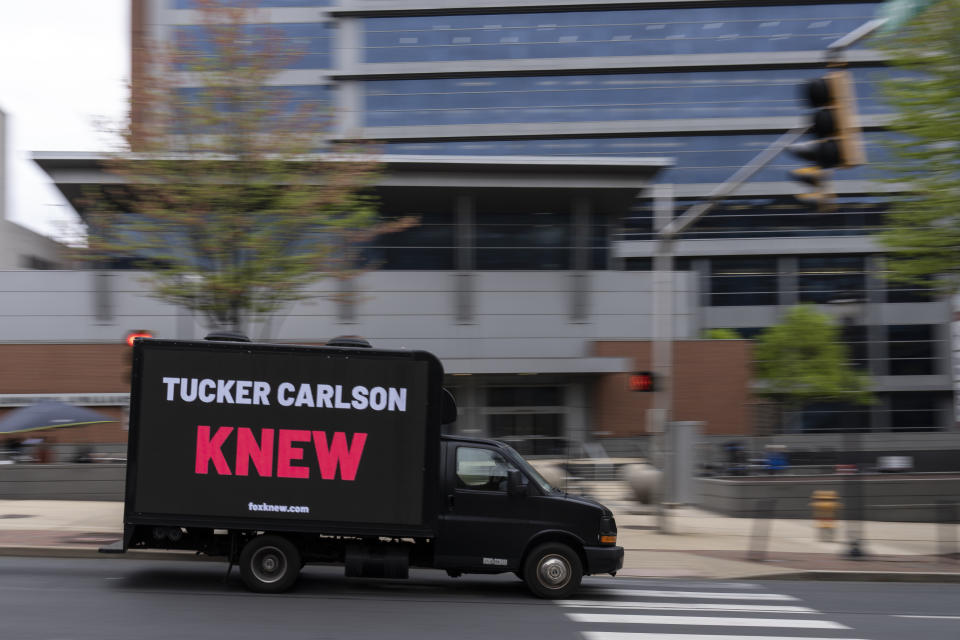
<point>102,599</point>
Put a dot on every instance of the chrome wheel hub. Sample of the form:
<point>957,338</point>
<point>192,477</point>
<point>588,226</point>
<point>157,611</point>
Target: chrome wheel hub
<point>269,564</point>
<point>553,571</point>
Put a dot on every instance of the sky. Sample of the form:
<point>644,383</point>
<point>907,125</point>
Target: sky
<point>64,68</point>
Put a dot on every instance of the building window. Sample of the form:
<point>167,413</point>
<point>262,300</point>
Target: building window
<point>598,97</point>
<point>915,410</point>
<point>523,240</point>
<point>532,434</point>
<point>429,244</point>
<point>700,159</point>
<point>306,45</point>
<point>855,339</point>
<point>822,279</point>
<point>911,349</point>
<point>646,264</point>
<point>743,281</point>
<point>530,418</point>
<point>599,245</point>
<point>821,417</point>
<point>900,292</point>
<point>525,396</point>
<point>724,29</point>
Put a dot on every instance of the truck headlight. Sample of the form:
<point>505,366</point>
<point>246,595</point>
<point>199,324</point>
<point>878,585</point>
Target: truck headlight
<point>608,530</point>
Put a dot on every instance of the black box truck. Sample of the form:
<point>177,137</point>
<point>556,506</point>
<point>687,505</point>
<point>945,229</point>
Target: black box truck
<point>273,456</point>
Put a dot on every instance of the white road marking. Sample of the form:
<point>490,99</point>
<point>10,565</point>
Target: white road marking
<point>632,582</point>
<point>706,595</point>
<point>606,635</point>
<point>685,606</point>
<point>605,618</point>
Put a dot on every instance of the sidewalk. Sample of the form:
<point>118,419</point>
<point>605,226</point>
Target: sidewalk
<point>701,545</point>
<point>706,545</point>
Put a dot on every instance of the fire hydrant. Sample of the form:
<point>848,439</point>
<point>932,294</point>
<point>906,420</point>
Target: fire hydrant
<point>825,505</point>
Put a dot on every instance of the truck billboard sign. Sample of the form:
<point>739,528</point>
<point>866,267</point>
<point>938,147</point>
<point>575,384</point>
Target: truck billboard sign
<point>302,434</point>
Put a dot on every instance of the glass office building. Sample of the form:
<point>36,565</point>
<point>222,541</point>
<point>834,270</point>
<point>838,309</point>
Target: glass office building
<point>709,84</point>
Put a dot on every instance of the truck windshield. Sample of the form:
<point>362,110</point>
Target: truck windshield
<point>531,472</point>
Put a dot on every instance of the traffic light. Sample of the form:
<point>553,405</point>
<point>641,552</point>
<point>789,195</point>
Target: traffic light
<point>127,369</point>
<point>837,141</point>
<point>642,381</point>
<point>133,335</point>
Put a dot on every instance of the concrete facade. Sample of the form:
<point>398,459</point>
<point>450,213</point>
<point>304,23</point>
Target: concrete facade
<point>520,335</point>
<point>21,248</point>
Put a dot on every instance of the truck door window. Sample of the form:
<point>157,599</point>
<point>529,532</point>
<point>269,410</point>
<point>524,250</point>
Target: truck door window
<point>481,470</point>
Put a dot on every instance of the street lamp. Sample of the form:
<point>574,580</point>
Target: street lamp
<point>848,307</point>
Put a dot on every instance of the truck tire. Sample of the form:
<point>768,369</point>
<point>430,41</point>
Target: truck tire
<point>269,564</point>
<point>552,570</point>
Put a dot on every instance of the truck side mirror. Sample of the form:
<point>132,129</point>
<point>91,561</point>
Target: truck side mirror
<point>515,486</point>
<point>448,410</point>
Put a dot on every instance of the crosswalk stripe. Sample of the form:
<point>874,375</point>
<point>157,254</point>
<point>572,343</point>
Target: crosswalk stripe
<point>608,635</point>
<point>685,606</point>
<point>705,595</point>
<point>602,618</point>
<point>630,582</point>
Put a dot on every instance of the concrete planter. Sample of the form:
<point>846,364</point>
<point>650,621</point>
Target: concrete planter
<point>62,481</point>
<point>887,498</point>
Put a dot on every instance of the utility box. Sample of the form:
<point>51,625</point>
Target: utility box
<point>682,443</point>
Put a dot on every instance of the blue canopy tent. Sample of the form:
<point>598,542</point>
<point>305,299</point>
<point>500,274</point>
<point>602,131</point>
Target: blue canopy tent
<point>49,415</point>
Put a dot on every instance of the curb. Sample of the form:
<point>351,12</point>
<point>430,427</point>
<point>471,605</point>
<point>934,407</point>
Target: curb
<point>862,576</point>
<point>821,575</point>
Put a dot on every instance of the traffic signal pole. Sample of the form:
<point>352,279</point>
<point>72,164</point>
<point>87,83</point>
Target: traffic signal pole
<point>666,229</point>
<point>744,173</point>
<point>836,48</point>
<point>659,416</point>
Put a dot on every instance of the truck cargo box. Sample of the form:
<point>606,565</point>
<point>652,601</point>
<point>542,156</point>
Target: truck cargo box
<point>233,435</point>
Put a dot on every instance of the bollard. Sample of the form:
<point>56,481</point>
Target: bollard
<point>760,538</point>
<point>825,505</point>
<point>947,529</point>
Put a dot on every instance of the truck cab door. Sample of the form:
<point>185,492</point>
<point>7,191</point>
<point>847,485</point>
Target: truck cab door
<point>481,526</point>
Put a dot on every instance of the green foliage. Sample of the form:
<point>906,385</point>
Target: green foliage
<point>722,334</point>
<point>923,231</point>
<point>802,360</point>
<point>219,188</point>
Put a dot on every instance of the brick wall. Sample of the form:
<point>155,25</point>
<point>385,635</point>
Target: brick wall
<point>69,368</point>
<point>711,385</point>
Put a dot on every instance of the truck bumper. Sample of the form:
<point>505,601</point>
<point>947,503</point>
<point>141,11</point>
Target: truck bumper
<point>603,559</point>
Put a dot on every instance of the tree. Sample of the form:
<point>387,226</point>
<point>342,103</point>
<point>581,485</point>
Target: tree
<point>923,227</point>
<point>801,360</point>
<point>722,333</point>
<point>220,192</point>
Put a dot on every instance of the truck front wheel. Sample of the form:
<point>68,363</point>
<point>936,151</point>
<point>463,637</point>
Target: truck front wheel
<point>552,570</point>
<point>269,564</point>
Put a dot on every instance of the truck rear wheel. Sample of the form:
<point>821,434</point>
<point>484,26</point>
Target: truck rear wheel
<point>552,570</point>
<point>269,564</point>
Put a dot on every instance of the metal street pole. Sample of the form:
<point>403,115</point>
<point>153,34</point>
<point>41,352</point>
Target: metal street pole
<point>667,228</point>
<point>850,308</point>
<point>658,420</point>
